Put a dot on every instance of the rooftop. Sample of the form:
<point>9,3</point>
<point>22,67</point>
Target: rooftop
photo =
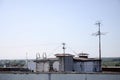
<point>85,59</point>
<point>45,60</point>
<point>62,55</point>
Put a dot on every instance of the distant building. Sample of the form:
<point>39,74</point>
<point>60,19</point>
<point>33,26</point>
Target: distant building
<point>85,64</point>
<point>68,63</point>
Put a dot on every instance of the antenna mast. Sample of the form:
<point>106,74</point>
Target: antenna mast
<point>63,48</point>
<point>99,36</point>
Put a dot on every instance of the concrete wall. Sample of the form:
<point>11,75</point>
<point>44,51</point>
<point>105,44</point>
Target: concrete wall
<point>86,66</point>
<point>59,76</point>
<point>78,66</point>
<point>68,63</point>
<point>43,67</point>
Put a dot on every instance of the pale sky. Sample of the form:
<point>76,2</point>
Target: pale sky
<point>31,26</point>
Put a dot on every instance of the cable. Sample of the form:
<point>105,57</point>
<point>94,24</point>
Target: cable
<point>73,51</point>
<point>52,52</point>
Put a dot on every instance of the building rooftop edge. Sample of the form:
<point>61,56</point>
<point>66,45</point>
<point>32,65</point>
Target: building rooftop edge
<point>62,55</point>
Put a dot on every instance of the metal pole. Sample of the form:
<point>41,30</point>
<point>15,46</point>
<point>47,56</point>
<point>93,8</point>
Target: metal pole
<point>64,55</point>
<point>63,48</point>
<point>99,34</point>
<point>99,41</point>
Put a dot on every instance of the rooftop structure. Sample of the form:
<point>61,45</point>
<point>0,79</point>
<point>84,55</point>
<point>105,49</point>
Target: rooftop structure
<point>83,55</point>
<point>68,63</point>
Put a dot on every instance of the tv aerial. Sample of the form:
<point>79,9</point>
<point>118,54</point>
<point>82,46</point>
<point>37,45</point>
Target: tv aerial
<point>98,33</point>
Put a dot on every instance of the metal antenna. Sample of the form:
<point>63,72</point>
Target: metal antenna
<point>64,54</point>
<point>63,48</point>
<point>99,36</point>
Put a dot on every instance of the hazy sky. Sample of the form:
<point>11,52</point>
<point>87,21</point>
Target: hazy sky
<point>42,25</point>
